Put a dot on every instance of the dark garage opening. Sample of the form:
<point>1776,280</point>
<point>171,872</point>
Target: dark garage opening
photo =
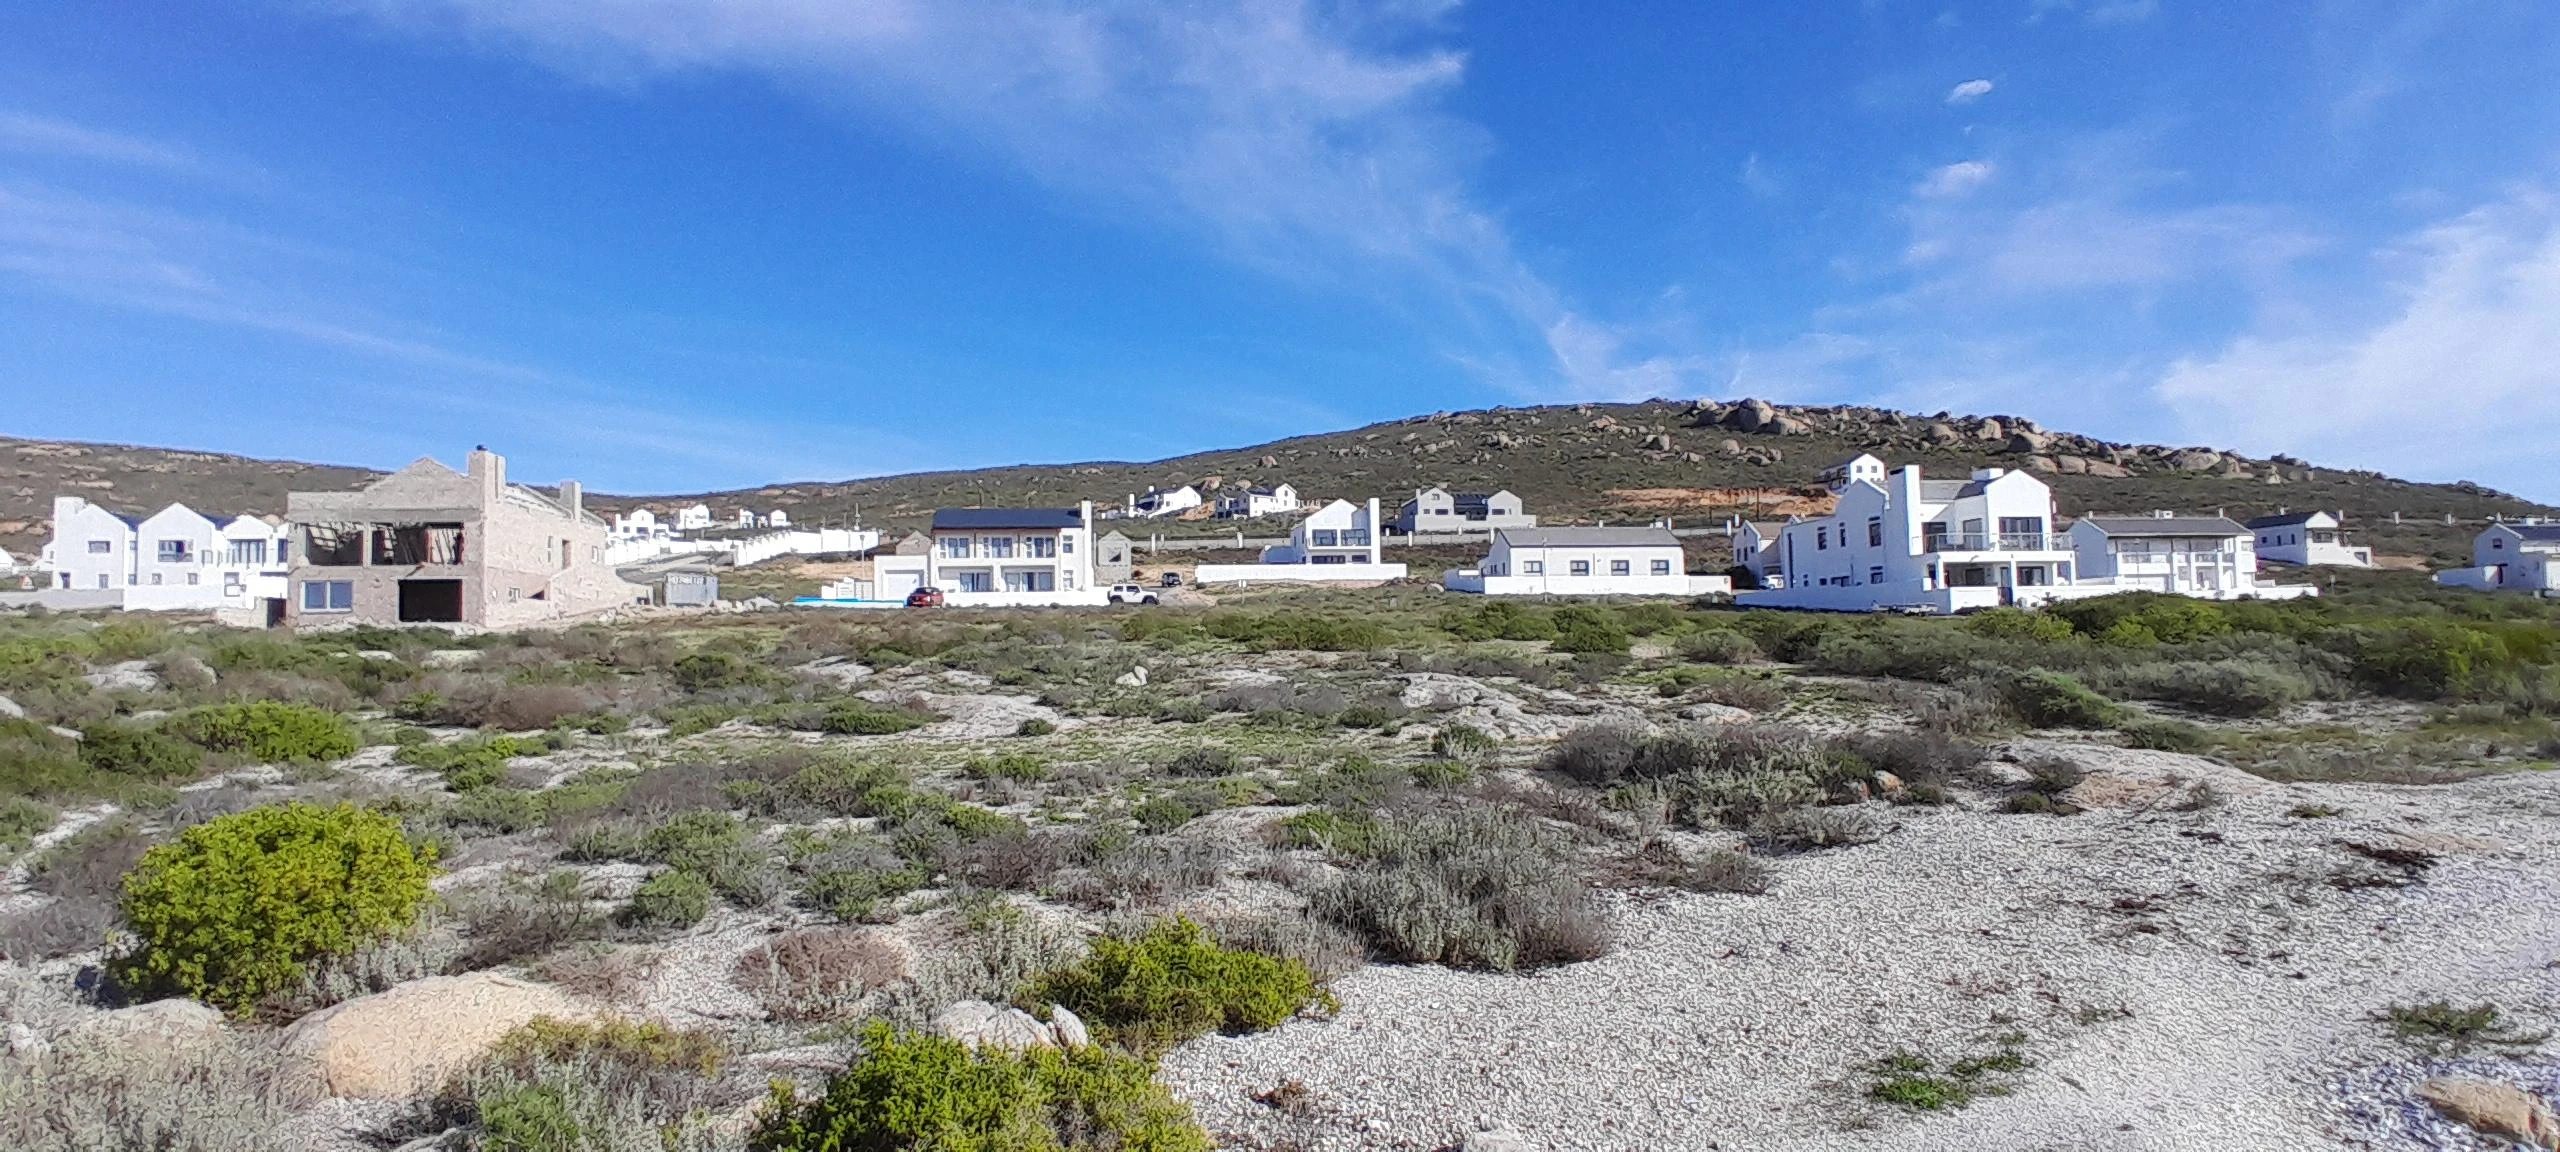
<point>431,601</point>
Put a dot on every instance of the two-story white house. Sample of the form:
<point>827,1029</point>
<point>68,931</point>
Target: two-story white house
<point>2208,557</point>
<point>695,518</point>
<point>1000,557</point>
<point>2305,539</point>
<point>1437,509</point>
<point>637,526</point>
<point>176,559</point>
<point>92,548</point>
<point>1341,541</point>
<point>1275,500</point>
<point>1583,562</point>
<point>1755,550</point>
<point>1901,541</point>
<point>2512,557</point>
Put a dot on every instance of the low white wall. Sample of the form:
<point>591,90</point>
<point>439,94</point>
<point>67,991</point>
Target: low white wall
<point>1295,573</point>
<point>1083,598</point>
<point>1472,580</point>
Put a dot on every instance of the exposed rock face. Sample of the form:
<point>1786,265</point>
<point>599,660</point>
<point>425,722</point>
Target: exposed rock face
<point>9,710</point>
<point>2071,465</point>
<point>2029,443</point>
<point>1068,1028</point>
<point>128,676</point>
<point>396,1044</point>
<point>2109,470</point>
<point>2495,1109</point>
<point>160,1023</point>
<point>2196,460</point>
<point>1750,415</point>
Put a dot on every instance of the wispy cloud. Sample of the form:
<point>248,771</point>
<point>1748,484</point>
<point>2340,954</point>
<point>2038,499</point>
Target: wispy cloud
<point>2095,11</point>
<point>1953,180</point>
<point>1289,134</point>
<point>1968,92</point>
<point>26,133</point>
<point>2459,377</point>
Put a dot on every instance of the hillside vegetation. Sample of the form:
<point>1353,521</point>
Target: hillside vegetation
<point>1697,462</point>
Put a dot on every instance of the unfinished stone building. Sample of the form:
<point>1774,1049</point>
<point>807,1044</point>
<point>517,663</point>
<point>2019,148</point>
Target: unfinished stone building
<point>428,545</point>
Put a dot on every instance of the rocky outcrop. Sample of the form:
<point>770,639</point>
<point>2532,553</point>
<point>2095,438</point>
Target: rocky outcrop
<point>979,1024</point>
<point>2495,1109</point>
<point>159,1024</point>
<point>396,1044</point>
<point>127,676</point>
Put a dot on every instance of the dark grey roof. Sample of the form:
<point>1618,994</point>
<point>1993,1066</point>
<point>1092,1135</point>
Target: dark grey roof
<point>965,519</point>
<point>1941,491</point>
<point>2165,525</point>
<point>2538,533</point>
<point>2285,521</point>
<point>1587,537</point>
<point>1259,490</point>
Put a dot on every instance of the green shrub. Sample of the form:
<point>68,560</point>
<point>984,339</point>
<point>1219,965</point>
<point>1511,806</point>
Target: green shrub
<point>1584,629</point>
<point>1008,766</point>
<point>1473,889</point>
<point>2221,687</point>
<point>1154,990</point>
<point>1306,631</point>
<point>268,730</point>
<point>138,752</point>
<point>2019,624</point>
<point>676,899</point>
<point>2056,700</point>
<point>473,762</point>
<point>1165,812</point>
<point>1204,760</point>
<point>712,671</point>
<point>232,910</point>
<point>2166,736</point>
<point>1035,726</point>
<point>931,1094</point>
<point>1720,646</point>
<point>1498,620</point>
<point>863,718</point>
<point>20,821</point>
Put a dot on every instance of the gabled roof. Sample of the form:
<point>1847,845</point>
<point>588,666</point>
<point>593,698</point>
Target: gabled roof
<point>1587,537</point>
<point>2165,525</point>
<point>965,519</point>
<point>1944,491</point>
<point>2538,533</point>
<point>2285,521</point>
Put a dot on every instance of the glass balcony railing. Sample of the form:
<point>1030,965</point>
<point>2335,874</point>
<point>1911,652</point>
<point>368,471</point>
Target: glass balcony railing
<point>1987,542</point>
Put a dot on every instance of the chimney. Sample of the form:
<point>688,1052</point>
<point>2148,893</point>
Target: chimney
<point>490,469</point>
<point>1989,473</point>
<point>574,495</point>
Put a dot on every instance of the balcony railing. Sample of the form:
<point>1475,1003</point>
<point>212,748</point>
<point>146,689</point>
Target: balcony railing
<point>1986,542</point>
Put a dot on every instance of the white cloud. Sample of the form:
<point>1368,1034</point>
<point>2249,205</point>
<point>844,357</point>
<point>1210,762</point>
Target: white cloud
<point>21,132</point>
<point>1968,92</point>
<point>1279,129</point>
<point>2458,379</point>
<point>2100,12</point>
<point>1953,180</point>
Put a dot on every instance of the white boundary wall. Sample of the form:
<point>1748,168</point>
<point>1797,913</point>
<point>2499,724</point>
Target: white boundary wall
<point>1295,573</point>
<point>1472,580</point>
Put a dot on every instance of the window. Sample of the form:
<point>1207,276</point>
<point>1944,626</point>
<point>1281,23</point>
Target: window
<point>1355,537</point>
<point>328,596</point>
<point>173,552</point>
<point>1533,567</point>
<point>195,577</point>
<point>1620,568</point>
<point>1039,547</point>
<point>246,552</point>
<point>1066,545</point>
<point>101,547</point>
<point>1875,531</point>
<point>155,577</point>
<point>1875,575</point>
<point>998,547</point>
<point>1661,567</point>
<point>955,548</point>
<point>1326,538</point>
<point>1581,567</point>
<point>102,580</point>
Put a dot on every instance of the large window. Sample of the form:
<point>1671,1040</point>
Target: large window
<point>1326,537</point>
<point>246,552</point>
<point>101,547</point>
<point>1661,567</point>
<point>328,596</point>
<point>1533,567</point>
<point>1620,568</point>
<point>1581,567</point>
<point>1040,547</point>
<point>1875,532</point>
<point>174,552</point>
<point>998,547</point>
<point>957,548</point>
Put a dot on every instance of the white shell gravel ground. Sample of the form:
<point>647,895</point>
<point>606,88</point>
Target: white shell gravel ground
<point>2184,979</point>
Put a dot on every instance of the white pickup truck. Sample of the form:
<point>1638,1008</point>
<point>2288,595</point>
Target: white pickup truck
<point>1131,594</point>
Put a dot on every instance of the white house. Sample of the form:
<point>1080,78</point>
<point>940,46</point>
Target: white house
<point>1755,549</point>
<point>8,563</point>
<point>2209,557</point>
<point>1000,557</point>
<point>1278,499</point>
<point>92,548</point>
<point>257,557</point>
<point>1340,541</point>
<point>176,559</point>
<point>1162,502</point>
<point>1583,562</point>
<point>778,519</point>
<point>1437,509</point>
<point>2305,539</point>
<point>639,524</point>
<point>744,519</point>
<point>693,519</point>
<point>2518,557</point>
<point>177,545</point>
<point>1900,541</point>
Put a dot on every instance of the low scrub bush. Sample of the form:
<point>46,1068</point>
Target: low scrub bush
<point>2020,624</point>
<point>1807,829</point>
<point>669,900</point>
<point>2165,735</point>
<point>268,731</point>
<point>2057,700</point>
<point>1303,631</point>
<point>712,671</point>
<point>474,762</point>
<point>816,974</point>
<point>612,1084</point>
<point>920,1091</point>
<point>1498,620</point>
<point>231,911</point>
<point>1720,646</point>
<point>137,752</point>
<point>1725,870</point>
<point>1476,889</point>
<point>1916,757</point>
<point>2221,687</point>
<point>1150,991</point>
<point>1021,766</point>
<point>863,718</point>
<point>1035,726</point>
<point>20,821</point>
<point>214,1093</point>
<point>1584,629</point>
<point>1204,760</point>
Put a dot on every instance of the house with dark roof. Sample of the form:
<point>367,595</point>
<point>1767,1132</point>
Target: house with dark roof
<point>1628,561</point>
<point>1259,500</point>
<point>2519,556</point>
<point>2304,539</point>
<point>1000,557</point>
<point>1438,509</point>
<point>2210,557</point>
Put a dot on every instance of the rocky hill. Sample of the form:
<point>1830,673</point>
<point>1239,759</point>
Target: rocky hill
<point>1696,462</point>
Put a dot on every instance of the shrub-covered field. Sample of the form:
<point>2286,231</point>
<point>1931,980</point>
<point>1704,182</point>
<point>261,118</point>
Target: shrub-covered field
<point>1168,823</point>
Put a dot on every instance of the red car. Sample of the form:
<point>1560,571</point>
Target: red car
<point>925,597</point>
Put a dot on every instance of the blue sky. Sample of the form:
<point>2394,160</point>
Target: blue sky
<point>666,246</point>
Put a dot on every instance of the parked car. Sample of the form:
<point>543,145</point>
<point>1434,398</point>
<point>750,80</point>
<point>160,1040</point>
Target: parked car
<point>925,597</point>
<point>1131,594</point>
<point>1171,580</point>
